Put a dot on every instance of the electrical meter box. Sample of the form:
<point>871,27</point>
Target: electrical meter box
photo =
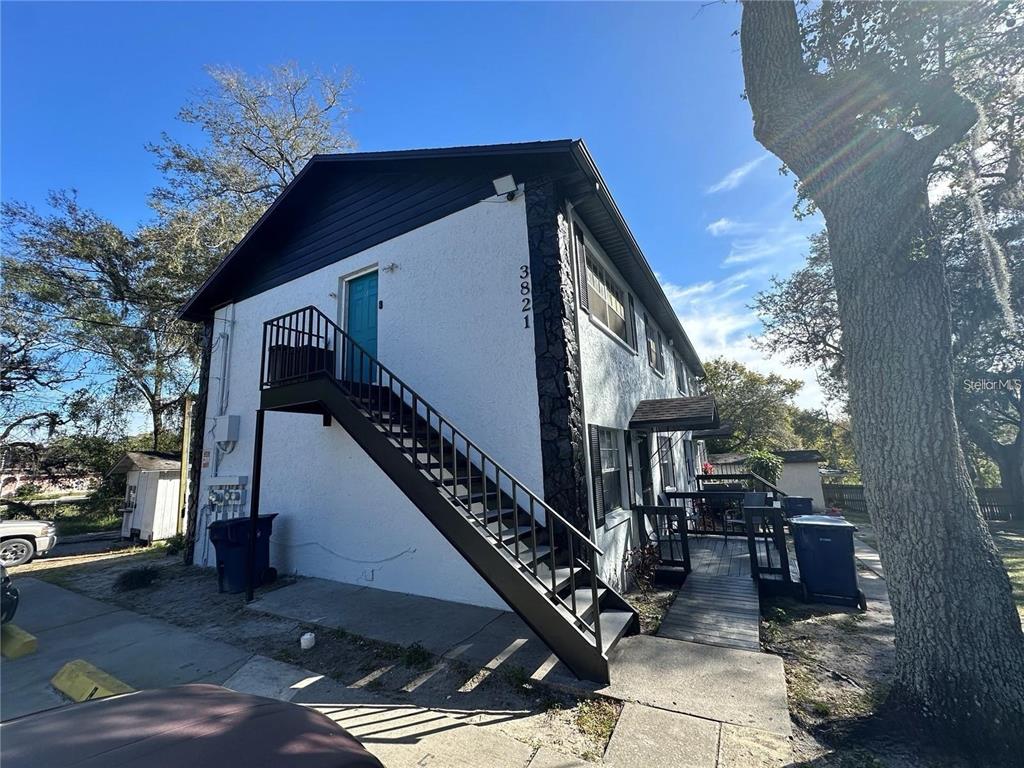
<point>225,429</point>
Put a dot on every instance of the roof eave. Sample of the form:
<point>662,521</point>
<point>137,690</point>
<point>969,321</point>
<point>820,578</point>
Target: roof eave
<point>587,165</point>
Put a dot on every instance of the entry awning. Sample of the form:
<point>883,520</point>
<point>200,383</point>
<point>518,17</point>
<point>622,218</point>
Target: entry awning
<point>676,414</point>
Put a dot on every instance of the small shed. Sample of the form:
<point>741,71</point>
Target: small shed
<point>150,506</point>
<point>800,472</point>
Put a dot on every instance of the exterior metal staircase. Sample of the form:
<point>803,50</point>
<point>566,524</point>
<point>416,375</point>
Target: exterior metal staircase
<point>541,565</point>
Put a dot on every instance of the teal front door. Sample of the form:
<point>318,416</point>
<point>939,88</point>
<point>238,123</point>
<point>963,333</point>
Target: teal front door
<point>361,326</point>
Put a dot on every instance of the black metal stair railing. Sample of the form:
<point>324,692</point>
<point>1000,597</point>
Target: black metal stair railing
<point>304,344</point>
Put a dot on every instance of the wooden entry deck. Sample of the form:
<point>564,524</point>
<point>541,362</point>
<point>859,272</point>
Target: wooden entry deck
<point>718,603</point>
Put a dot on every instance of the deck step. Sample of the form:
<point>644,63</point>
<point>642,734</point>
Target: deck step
<point>614,625</point>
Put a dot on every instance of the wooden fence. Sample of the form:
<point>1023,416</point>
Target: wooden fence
<point>996,503</point>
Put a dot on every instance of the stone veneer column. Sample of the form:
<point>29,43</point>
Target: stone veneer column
<point>562,431</point>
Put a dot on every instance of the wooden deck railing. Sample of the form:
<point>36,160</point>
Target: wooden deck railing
<point>744,481</point>
<point>668,531</point>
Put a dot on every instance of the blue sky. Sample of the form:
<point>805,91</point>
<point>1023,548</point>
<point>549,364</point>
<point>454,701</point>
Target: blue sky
<point>654,89</point>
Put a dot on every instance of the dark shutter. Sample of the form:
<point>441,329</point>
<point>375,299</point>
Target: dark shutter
<point>631,325</point>
<point>581,272</point>
<point>595,475</point>
<point>629,461</point>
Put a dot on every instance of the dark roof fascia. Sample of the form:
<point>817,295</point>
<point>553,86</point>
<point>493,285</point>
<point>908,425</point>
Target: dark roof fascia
<point>185,313</point>
<point>589,167</point>
<point>800,456</point>
<point>402,155</point>
<point>584,162</point>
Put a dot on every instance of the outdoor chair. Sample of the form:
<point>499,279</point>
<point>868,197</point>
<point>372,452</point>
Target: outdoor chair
<point>755,499</point>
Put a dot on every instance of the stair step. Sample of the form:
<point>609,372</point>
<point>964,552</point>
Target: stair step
<point>544,575</point>
<point>613,626</point>
<point>507,533</point>
<point>489,510</point>
<point>585,600</point>
<point>541,553</point>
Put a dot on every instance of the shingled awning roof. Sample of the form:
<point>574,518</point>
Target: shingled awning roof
<point>676,414</point>
<point>725,430</point>
<point>147,461</point>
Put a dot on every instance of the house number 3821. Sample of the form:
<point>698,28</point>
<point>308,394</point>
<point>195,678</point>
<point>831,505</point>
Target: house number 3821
<point>524,292</point>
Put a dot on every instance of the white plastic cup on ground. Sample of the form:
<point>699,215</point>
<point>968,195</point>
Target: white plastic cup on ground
<point>307,641</point>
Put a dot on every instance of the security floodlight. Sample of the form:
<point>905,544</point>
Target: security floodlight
<point>506,185</point>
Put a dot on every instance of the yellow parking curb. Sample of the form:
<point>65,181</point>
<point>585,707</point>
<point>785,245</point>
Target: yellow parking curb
<point>80,681</point>
<point>15,642</point>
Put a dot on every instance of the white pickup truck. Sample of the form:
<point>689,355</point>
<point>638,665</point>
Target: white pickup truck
<point>21,540</point>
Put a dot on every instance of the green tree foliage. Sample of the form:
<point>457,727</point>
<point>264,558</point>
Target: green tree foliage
<point>87,302</point>
<point>757,406</point>
<point>765,464</point>
<point>829,435</point>
<point>801,320</point>
<point>102,297</point>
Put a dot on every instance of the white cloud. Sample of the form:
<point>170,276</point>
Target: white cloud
<point>779,241</point>
<point>726,226</point>
<point>734,178</point>
<point>718,322</point>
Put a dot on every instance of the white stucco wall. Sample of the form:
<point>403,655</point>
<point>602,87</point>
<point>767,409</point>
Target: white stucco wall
<point>452,327</point>
<point>615,379</point>
<point>803,479</point>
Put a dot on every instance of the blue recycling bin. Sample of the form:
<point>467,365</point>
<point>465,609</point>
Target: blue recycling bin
<point>230,539</point>
<point>824,553</point>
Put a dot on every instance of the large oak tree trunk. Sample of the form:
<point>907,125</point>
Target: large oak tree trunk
<point>959,646</point>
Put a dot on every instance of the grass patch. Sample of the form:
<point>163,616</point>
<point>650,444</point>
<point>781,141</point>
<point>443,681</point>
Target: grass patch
<point>136,578</point>
<point>516,676</point>
<point>175,544</point>
<point>95,513</point>
<point>596,718</point>
<point>417,657</point>
<point>1009,539</point>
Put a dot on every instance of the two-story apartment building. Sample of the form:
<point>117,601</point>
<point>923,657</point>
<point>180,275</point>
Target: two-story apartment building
<point>450,373</point>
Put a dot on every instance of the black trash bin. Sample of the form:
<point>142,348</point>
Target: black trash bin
<point>796,505</point>
<point>230,539</point>
<point>824,552</point>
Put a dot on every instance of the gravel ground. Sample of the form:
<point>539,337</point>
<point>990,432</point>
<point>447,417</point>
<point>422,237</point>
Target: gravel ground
<point>188,597</point>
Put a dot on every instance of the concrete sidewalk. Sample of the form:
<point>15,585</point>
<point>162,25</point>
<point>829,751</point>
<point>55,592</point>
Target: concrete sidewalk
<point>685,703</point>
<point>142,652</point>
<point>403,735</point>
<point>682,709</point>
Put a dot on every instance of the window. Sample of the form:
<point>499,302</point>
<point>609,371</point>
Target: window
<point>688,457</point>
<point>607,300</point>
<point>655,347</point>
<point>681,383</point>
<point>666,462</point>
<point>611,470</point>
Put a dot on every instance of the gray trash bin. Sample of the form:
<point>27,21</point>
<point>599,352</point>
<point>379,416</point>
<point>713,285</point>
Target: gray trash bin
<point>824,552</point>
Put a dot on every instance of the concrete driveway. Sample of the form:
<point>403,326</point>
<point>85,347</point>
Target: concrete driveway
<point>140,651</point>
